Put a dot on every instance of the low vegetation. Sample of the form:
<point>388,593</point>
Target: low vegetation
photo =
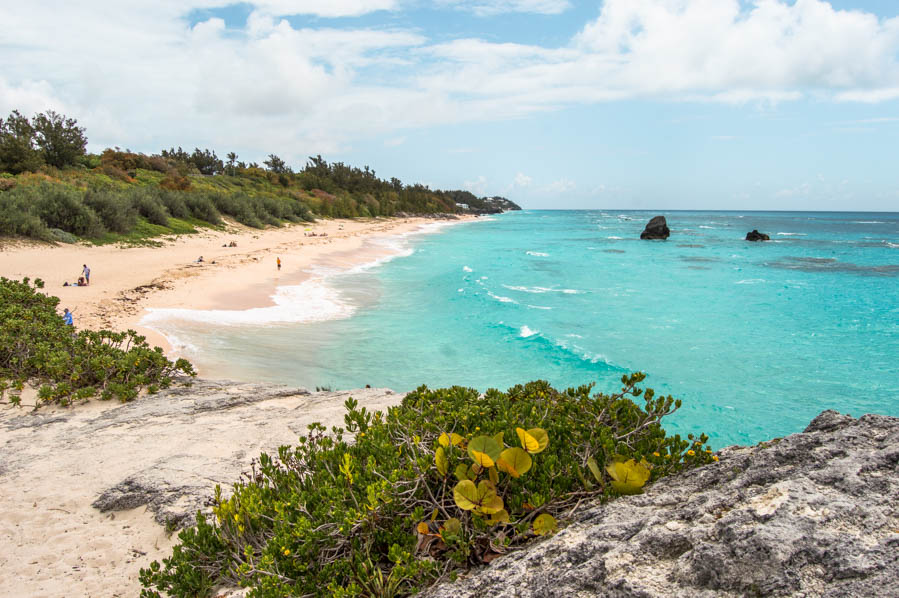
<point>448,480</point>
<point>52,190</point>
<point>38,348</point>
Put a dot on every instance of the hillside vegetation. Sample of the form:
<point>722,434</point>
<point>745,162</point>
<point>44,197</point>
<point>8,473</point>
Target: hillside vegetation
<point>52,190</point>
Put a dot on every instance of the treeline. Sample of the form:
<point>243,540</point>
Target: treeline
<point>52,189</point>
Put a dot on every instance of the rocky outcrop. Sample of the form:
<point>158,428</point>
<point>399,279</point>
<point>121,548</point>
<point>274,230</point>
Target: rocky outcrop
<point>812,514</point>
<point>657,228</point>
<point>755,235</point>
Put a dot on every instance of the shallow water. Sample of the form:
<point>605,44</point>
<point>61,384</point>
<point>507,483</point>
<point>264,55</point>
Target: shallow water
<point>756,338</point>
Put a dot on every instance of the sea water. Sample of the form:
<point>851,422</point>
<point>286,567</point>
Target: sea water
<point>755,338</point>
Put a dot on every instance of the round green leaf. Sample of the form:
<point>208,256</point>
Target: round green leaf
<point>484,450</point>
<point>514,461</point>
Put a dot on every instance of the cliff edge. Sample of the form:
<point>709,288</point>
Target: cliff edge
<point>812,514</point>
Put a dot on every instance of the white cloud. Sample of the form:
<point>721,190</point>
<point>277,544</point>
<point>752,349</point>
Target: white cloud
<point>394,141</point>
<point>560,186</point>
<point>488,8</point>
<point>478,186</point>
<point>267,86</point>
<point>325,8</point>
<point>522,180</point>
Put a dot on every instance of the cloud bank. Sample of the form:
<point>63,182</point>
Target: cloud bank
<point>145,75</point>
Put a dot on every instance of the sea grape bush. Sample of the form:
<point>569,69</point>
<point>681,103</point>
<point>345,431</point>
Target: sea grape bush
<point>37,347</point>
<point>447,480</point>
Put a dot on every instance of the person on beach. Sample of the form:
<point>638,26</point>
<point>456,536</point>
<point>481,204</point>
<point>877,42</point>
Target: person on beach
<point>279,263</point>
<point>200,260</point>
<point>67,317</point>
<point>86,272</point>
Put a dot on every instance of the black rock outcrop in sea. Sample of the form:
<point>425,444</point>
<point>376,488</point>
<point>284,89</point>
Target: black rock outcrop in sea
<point>812,514</point>
<point>755,235</point>
<point>657,228</point>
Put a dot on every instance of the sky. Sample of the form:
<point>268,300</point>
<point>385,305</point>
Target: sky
<point>628,104</point>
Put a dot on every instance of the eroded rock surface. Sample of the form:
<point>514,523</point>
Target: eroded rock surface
<point>813,514</point>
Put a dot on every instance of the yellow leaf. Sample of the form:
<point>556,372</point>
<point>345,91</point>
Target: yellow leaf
<point>440,461</point>
<point>534,440</point>
<point>453,439</point>
<point>465,494</point>
<point>499,517</point>
<point>544,524</point>
<point>494,477</point>
<point>594,469</point>
<point>498,437</point>
<point>628,477</point>
<point>515,462</point>
<point>423,528</point>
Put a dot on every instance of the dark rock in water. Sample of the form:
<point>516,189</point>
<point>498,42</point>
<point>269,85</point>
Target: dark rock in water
<point>812,514</point>
<point>657,228</point>
<point>757,236</point>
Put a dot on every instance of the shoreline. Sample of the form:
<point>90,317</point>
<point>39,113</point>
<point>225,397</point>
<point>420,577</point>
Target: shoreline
<point>127,281</point>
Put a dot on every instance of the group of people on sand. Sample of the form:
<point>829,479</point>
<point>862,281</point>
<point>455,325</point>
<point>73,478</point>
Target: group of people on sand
<point>314,234</point>
<point>83,281</point>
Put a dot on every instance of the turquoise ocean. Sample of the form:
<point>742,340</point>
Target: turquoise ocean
<point>755,338</point>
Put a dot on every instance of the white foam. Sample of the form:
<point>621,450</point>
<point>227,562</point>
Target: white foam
<point>467,269</point>
<point>537,253</point>
<point>501,299</point>
<point>869,222</point>
<point>704,226</point>
<point>538,307</point>
<point>893,245</point>
<point>526,332</point>
<point>460,290</point>
<point>792,234</point>
<point>751,281</point>
<point>539,290</point>
<point>311,301</point>
<point>615,238</point>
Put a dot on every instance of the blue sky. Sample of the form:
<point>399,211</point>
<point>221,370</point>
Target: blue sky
<point>656,104</point>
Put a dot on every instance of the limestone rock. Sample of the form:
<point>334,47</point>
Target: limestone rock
<point>755,235</point>
<point>812,514</point>
<point>657,228</point>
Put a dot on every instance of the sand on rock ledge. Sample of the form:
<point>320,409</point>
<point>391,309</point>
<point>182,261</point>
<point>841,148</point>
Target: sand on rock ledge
<point>144,463</point>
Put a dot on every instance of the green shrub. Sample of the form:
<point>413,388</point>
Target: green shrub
<point>37,347</point>
<point>62,207</point>
<point>61,236</point>
<point>447,480</point>
<point>149,203</point>
<point>18,217</point>
<point>115,211</point>
<point>202,208</point>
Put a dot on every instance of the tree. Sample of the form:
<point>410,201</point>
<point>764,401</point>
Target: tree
<point>232,161</point>
<point>17,151</point>
<point>60,139</point>
<point>277,165</point>
<point>206,161</point>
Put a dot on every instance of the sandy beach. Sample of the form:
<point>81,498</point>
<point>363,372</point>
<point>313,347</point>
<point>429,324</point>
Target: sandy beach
<point>125,281</point>
<point>59,543</point>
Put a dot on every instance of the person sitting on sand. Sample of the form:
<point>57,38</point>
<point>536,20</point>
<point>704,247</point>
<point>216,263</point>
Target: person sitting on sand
<point>200,260</point>
<point>279,263</point>
<point>87,274</point>
<point>67,317</point>
<point>80,282</point>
